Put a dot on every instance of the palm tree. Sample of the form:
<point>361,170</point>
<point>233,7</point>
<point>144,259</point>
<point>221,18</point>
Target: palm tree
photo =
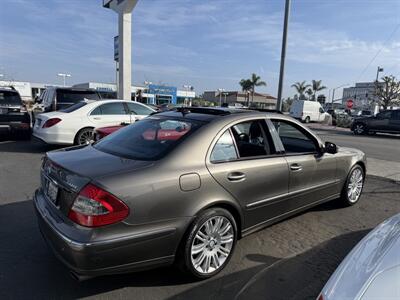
<point>246,87</point>
<point>301,87</point>
<point>316,87</point>
<point>309,93</point>
<point>255,81</point>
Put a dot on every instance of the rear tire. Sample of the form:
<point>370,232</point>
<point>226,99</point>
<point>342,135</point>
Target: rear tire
<point>307,120</point>
<point>84,136</point>
<point>209,243</point>
<point>359,129</point>
<point>353,186</point>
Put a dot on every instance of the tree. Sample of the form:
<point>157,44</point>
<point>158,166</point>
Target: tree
<point>388,91</point>
<point>246,87</point>
<point>287,103</point>
<point>310,93</point>
<point>316,87</point>
<point>301,87</point>
<point>254,81</point>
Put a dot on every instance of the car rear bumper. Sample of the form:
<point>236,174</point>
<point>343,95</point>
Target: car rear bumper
<point>87,256</point>
<point>52,138</point>
<point>10,127</point>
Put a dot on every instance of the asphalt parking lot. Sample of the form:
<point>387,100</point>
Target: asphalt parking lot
<point>289,260</point>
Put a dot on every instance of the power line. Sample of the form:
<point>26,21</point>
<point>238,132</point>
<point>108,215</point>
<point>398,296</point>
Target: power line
<point>379,51</point>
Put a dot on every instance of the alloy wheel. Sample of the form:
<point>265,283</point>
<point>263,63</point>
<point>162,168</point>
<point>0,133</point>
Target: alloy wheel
<point>212,245</point>
<point>85,137</point>
<point>355,185</point>
<point>359,129</point>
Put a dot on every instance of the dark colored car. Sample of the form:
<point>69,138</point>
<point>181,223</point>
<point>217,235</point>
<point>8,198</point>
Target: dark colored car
<point>57,98</point>
<point>14,118</point>
<point>182,186</point>
<point>386,121</point>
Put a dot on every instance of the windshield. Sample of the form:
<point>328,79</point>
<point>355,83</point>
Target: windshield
<point>10,98</point>
<point>71,96</point>
<point>149,139</point>
<point>73,107</point>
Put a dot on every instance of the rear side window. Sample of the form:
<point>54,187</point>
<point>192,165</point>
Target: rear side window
<point>110,109</point>
<point>224,149</point>
<point>10,97</point>
<point>71,96</point>
<point>293,139</point>
<point>139,109</point>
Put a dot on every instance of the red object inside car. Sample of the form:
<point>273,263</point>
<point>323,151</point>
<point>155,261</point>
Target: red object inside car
<point>164,134</point>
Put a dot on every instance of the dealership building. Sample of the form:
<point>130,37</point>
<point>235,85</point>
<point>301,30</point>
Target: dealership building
<point>149,94</point>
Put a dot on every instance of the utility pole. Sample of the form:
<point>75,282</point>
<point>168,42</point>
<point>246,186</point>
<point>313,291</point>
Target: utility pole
<point>377,73</point>
<point>283,55</point>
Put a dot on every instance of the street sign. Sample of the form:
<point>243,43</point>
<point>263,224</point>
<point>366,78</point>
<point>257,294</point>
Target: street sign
<point>116,48</point>
<point>349,103</point>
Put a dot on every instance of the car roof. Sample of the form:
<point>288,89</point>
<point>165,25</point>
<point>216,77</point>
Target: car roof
<point>208,114</point>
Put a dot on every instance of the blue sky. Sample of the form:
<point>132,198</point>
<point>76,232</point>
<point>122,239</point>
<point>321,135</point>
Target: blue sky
<point>208,44</point>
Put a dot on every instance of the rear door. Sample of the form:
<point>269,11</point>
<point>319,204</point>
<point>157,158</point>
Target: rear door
<point>244,161</point>
<point>109,114</point>
<point>380,121</point>
<point>312,175</point>
<point>394,122</point>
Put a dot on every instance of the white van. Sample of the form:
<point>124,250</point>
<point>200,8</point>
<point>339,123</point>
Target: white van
<point>308,111</point>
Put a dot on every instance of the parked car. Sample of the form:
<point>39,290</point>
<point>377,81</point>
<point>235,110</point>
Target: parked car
<point>102,132</point>
<point>372,269</point>
<point>364,113</point>
<point>386,121</point>
<point>14,118</point>
<point>308,111</point>
<point>57,98</point>
<point>182,186</point>
<point>75,124</point>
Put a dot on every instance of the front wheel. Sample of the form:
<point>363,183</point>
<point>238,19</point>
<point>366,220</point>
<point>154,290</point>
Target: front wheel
<point>359,129</point>
<point>210,243</point>
<point>353,186</point>
<point>307,120</point>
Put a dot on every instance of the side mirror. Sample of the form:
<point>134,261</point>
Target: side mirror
<point>330,148</point>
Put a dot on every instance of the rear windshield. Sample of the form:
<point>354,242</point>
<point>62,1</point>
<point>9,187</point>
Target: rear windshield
<point>10,97</point>
<point>74,107</point>
<point>70,96</point>
<point>149,139</point>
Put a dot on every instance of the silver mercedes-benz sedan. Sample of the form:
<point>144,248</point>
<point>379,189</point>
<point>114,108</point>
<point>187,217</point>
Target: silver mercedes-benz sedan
<point>183,186</point>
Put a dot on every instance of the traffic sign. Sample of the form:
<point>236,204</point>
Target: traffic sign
<point>349,103</point>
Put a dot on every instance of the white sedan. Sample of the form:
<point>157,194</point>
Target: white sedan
<point>75,124</point>
<point>371,271</point>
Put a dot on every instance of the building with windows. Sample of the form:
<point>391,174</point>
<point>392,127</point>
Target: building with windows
<point>362,94</point>
<point>259,100</point>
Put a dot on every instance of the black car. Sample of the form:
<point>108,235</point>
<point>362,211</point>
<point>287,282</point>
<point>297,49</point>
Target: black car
<point>14,118</point>
<point>387,121</point>
<point>56,98</point>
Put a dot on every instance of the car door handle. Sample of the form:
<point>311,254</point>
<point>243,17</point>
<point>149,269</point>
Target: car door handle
<point>236,176</point>
<point>97,118</point>
<point>296,167</point>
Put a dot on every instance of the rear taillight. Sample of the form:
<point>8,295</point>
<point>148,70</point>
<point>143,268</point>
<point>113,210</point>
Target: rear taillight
<point>51,122</point>
<point>96,207</point>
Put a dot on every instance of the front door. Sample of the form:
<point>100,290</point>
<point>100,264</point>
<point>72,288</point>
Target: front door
<point>243,161</point>
<point>312,175</point>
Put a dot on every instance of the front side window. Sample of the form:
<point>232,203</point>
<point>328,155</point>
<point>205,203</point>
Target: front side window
<point>150,139</point>
<point>138,109</point>
<point>294,140</point>
<point>224,149</point>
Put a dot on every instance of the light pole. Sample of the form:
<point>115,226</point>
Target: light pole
<point>187,87</point>
<point>338,87</point>
<point>220,96</point>
<point>283,55</point>
<point>377,73</point>
<point>64,76</point>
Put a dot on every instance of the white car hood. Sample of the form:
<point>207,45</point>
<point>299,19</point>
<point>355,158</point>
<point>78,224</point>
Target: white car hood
<point>375,255</point>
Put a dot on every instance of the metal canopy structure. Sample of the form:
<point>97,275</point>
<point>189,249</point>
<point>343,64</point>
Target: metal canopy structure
<point>124,10</point>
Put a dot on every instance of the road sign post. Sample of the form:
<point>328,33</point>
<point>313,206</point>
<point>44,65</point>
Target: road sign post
<point>124,9</point>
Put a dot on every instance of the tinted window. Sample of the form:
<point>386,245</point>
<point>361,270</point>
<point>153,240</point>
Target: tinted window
<point>71,96</point>
<point>396,115</point>
<point>139,109</point>
<point>384,114</point>
<point>149,139</point>
<point>10,97</point>
<point>224,149</point>
<point>113,109</point>
<point>74,107</point>
<point>293,139</point>
<point>251,139</point>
